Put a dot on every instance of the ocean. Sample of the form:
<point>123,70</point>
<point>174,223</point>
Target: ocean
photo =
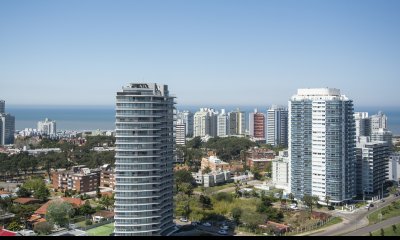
<point>103,117</point>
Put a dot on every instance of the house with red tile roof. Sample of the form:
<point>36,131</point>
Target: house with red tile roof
<point>25,201</point>
<point>7,233</point>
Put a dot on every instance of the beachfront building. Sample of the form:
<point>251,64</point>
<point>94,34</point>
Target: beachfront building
<point>322,145</point>
<point>280,171</point>
<point>237,123</point>
<point>180,133</point>
<point>394,167</point>
<point>7,126</point>
<point>47,127</point>
<point>205,123</point>
<point>382,135</point>
<point>257,125</point>
<point>378,121</point>
<point>144,159</point>
<point>363,124</point>
<point>223,124</point>
<point>186,117</point>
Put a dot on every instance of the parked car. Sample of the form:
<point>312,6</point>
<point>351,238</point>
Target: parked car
<point>206,224</point>
<point>222,232</point>
<point>183,219</point>
<point>195,223</point>
<point>224,227</point>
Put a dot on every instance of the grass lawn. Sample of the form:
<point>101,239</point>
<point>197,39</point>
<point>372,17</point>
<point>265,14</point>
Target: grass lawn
<point>211,190</point>
<point>104,230</point>
<point>387,231</point>
<point>392,212</point>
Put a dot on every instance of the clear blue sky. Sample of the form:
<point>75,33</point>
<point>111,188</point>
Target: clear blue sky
<point>250,52</point>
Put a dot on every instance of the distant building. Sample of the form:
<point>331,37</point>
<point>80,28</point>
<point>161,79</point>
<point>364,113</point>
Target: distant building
<point>371,167</point>
<point>186,117</point>
<point>378,121</point>
<point>47,127</point>
<point>223,124</point>
<point>382,135</point>
<point>257,125</point>
<point>180,133</point>
<point>213,178</point>
<point>280,171</point>
<point>107,176</point>
<point>394,167</point>
<point>237,123</point>
<point>80,179</point>
<point>7,125</point>
<point>205,122</point>
<point>363,124</point>
<point>277,126</point>
<point>214,163</point>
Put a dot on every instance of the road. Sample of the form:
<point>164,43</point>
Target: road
<point>366,230</point>
<point>353,221</point>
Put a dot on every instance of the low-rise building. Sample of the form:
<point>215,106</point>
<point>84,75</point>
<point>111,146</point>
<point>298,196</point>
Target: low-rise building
<point>214,163</point>
<point>213,178</point>
<point>280,171</point>
<point>107,176</point>
<point>394,167</point>
<point>259,158</point>
<point>80,179</point>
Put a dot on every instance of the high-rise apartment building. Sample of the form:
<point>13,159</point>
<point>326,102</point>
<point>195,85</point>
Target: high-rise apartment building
<point>47,127</point>
<point>257,124</point>
<point>237,123</point>
<point>322,145</point>
<point>363,124</point>
<point>378,121</point>
<point>144,159</point>
<point>394,167</point>
<point>382,134</point>
<point>2,106</point>
<point>277,126</point>
<point>223,124</point>
<point>186,117</point>
<point>7,126</point>
<point>371,167</point>
<point>180,133</point>
<point>205,122</point>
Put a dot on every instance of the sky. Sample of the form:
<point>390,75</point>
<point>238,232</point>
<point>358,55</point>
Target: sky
<point>250,52</point>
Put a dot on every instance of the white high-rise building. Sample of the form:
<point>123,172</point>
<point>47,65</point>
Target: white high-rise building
<point>363,124</point>
<point>371,167</point>
<point>7,126</point>
<point>186,118</point>
<point>223,124</point>
<point>280,171</point>
<point>237,123</point>
<point>382,135</point>
<point>322,145</point>
<point>47,127</point>
<point>180,133</point>
<point>205,123</point>
<point>378,121</point>
<point>277,126</point>
<point>394,167</point>
<point>144,159</point>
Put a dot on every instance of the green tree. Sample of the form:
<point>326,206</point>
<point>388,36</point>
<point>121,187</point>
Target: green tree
<point>42,193</point>
<point>238,194</point>
<point>205,201</point>
<point>394,228</point>
<point>236,214</point>
<point>98,193</point>
<point>393,190</point>
<point>308,201</point>
<point>186,188</point>
<point>291,197</point>
<point>194,143</point>
<point>370,234</point>
<point>14,226</point>
<point>23,192</point>
<point>182,205</point>
<point>86,209</point>
<point>223,196</point>
<point>43,228</point>
<point>382,232</point>
<point>106,201</point>
<point>59,212</point>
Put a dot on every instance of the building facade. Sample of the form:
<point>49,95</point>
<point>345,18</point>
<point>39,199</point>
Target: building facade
<point>257,125</point>
<point>277,126</point>
<point>180,133</point>
<point>372,167</point>
<point>80,179</point>
<point>363,124</point>
<point>322,145</point>
<point>280,172</point>
<point>186,117</point>
<point>378,121</point>
<point>205,123</point>
<point>237,123</point>
<point>47,127</point>
<point>144,157</point>
<point>223,124</point>
<point>382,135</point>
<point>394,167</point>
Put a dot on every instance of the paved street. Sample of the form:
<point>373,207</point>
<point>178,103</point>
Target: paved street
<point>353,220</point>
<point>365,230</point>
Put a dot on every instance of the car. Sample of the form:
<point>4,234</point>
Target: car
<point>371,205</point>
<point>195,223</point>
<point>183,219</point>
<point>222,232</point>
<point>206,224</point>
<point>367,206</point>
<point>224,227</point>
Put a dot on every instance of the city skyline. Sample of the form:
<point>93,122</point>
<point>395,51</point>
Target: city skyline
<point>236,52</point>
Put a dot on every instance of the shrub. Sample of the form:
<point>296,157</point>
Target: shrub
<point>88,222</point>
<point>43,227</point>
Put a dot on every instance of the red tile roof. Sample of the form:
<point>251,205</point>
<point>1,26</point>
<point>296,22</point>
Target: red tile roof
<point>25,200</point>
<point>76,202</point>
<point>4,192</point>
